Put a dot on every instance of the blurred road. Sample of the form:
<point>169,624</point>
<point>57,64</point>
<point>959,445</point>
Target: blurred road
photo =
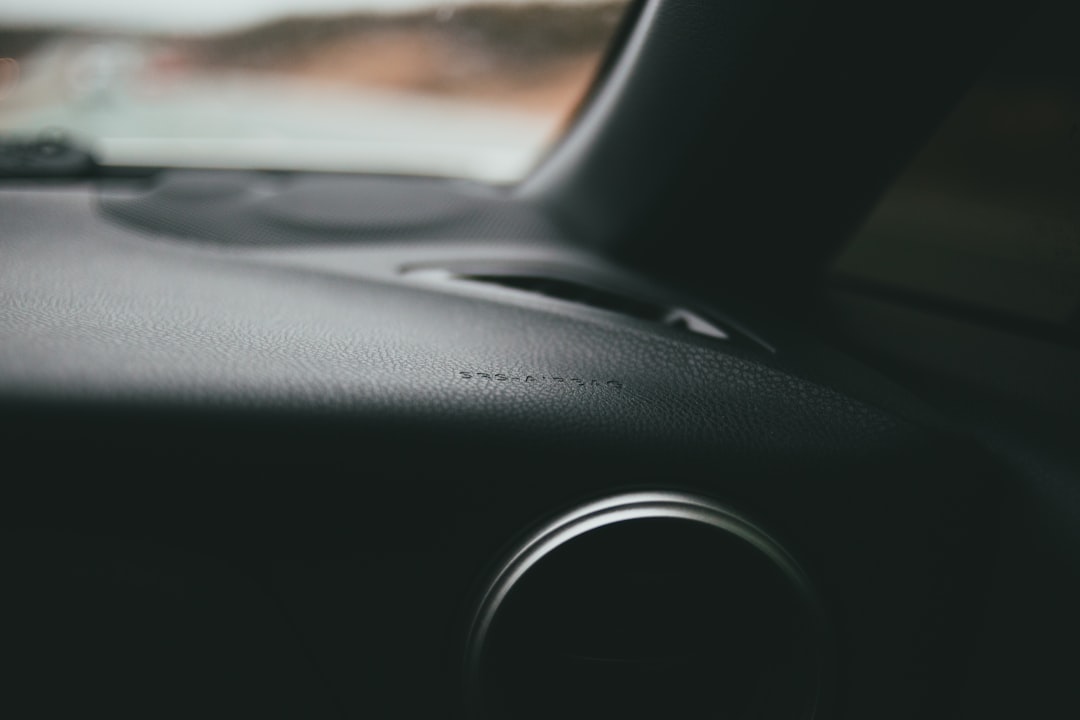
<point>135,103</point>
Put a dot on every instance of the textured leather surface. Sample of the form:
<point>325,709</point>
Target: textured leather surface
<point>92,312</point>
<point>377,412</point>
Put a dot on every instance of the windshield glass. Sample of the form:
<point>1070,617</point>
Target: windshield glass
<point>459,88</point>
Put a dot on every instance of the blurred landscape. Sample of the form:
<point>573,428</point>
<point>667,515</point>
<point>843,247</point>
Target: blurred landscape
<point>479,91</point>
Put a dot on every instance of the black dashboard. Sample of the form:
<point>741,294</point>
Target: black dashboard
<point>364,441</point>
<point>603,444</point>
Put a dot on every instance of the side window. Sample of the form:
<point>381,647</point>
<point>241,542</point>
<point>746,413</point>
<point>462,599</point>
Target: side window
<point>987,217</point>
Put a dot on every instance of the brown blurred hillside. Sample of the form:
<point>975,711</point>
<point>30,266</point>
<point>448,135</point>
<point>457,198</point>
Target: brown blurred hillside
<point>534,58</point>
<point>538,58</point>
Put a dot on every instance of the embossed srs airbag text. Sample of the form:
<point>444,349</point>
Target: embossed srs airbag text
<point>539,379</point>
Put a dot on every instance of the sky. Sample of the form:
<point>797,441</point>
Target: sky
<point>200,15</point>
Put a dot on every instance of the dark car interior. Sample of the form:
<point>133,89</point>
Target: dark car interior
<point>757,398</point>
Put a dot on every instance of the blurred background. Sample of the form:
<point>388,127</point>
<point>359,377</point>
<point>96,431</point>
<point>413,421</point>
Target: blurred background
<point>466,89</point>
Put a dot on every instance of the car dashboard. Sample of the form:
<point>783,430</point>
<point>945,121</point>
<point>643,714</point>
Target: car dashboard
<point>365,434</point>
<point>609,442</point>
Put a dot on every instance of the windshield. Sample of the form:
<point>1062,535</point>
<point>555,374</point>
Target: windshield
<point>388,86</point>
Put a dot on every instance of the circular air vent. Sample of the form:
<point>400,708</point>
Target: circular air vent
<point>653,604</point>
